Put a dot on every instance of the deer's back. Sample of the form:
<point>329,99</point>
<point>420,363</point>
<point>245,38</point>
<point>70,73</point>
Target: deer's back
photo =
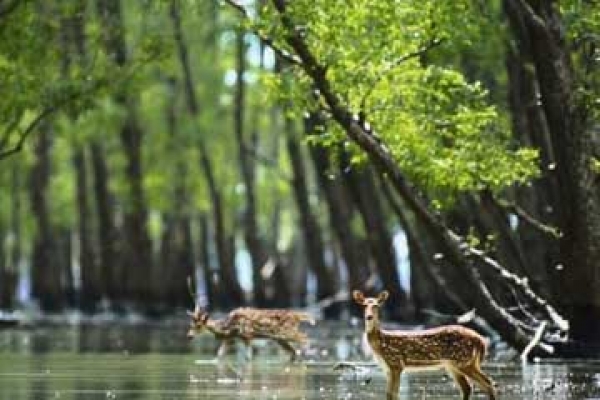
<point>253,323</point>
<point>431,347</point>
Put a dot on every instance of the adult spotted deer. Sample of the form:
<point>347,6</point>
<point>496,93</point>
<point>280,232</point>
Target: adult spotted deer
<point>457,349</point>
<point>247,324</point>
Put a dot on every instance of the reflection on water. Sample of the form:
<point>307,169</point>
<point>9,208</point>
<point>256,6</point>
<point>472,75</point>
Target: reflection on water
<point>155,361</point>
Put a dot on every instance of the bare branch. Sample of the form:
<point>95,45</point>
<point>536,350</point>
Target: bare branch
<point>284,54</point>
<point>535,341</point>
<point>522,7</point>
<point>524,215</point>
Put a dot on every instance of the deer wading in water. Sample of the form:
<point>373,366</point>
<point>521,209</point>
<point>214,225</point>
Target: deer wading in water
<point>457,349</point>
<point>247,324</point>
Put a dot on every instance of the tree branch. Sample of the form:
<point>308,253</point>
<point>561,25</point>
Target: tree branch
<point>285,55</point>
<point>524,215</point>
<point>523,8</point>
<point>24,134</point>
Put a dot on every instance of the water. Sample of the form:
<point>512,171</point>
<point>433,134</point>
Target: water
<point>155,361</point>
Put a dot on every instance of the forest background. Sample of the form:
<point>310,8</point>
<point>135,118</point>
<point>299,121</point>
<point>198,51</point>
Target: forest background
<point>285,153</point>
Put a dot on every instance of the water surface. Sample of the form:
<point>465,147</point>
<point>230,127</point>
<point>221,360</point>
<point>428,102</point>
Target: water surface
<point>155,361</point>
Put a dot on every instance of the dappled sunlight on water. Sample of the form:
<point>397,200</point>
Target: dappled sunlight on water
<point>155,361</point>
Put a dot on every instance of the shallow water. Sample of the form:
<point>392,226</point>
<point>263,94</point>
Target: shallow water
<point>155,361</point>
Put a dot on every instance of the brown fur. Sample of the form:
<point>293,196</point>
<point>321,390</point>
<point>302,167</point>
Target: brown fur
<point>457,349</point>
<point>247,324</point>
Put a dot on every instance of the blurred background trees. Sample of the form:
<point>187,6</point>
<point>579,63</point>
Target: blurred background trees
<point>445,150</point>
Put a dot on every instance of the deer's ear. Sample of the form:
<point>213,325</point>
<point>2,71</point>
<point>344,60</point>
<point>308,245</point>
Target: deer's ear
<point>358,296</point>
<point>383,296</point>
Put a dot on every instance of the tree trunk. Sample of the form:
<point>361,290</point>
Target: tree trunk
<point>45,268</point>
<point>229,282</point>
<point>136,245</point>
<point>365,194</point>
<point>341,215</point>
<point>253,240</point>
<point>209,276</point>
<point>177,257</point>
<point>313,240</point>
<point>110,285</point>
<point>574,146</point>
<point>90,293</point>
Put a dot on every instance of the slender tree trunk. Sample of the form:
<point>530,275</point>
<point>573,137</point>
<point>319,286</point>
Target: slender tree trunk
<point>341,215</point>
<point>110,284</point>
<point>366,197</point>
<point>136,245</point>
<point>209,276</point>
<point>45,269</point>
<point>313,240</point>
<point>229,282</point>
<point>90,283</point>
<point>177,257</point>
<point>252,237</point>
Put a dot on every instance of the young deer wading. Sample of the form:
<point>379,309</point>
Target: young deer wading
<point>457,349</point>
<point>247,324</point>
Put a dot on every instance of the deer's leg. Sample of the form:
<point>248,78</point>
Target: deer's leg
<point>462,382</point>
<point>288,348</point>
<point>248,348</point>
<point>393,383</point>
<point>482,380</point>
<point>223,348</point>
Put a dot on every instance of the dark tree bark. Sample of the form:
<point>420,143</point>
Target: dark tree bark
<point>225,251</point>
<point>136,245</point>
<point>365,194</point>
<point>539,29</point>
<point>209,275</point>
<point>311,231</point>
<point>74,52</point>
<point>45,269</point>
<point>177,256</point>
<point>455,249</point>
<point>90,293</point>
<point>341,215</point>
<point>10,269</point>
<point>252,237</point>
<point>111,286</point>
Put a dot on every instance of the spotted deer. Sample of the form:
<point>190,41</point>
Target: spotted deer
<point>247,324</point>
<point>457,349</point>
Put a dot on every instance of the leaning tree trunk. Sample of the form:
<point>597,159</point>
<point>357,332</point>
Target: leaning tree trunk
<point>311,231</point>
<point>574,147</point>
<point>136,245</point>
<point>228,282</point>
<point>455,249</point>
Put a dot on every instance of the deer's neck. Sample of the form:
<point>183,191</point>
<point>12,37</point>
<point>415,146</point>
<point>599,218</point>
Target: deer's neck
<point>217,328</point>
<point>373,333</point>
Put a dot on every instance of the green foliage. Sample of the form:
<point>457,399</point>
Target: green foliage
<point>441,128</point>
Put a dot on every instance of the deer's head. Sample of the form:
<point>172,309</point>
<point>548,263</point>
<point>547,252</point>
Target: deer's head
<point>199,318</point>
<point>372,306</point>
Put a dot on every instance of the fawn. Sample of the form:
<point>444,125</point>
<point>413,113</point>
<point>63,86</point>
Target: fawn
<point>457,349</point>
<point>247,324</point>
